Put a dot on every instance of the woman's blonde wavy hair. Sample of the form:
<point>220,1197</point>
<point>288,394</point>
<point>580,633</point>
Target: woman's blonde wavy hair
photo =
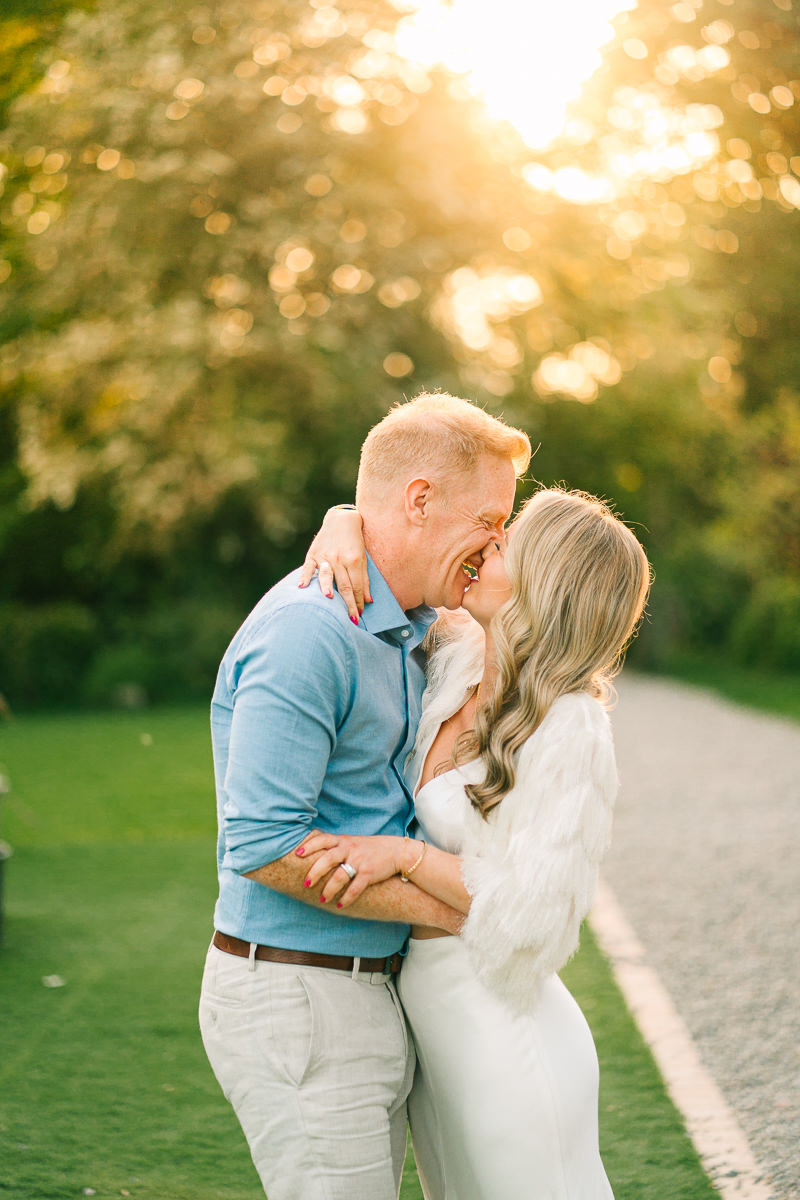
<point>580,582</point>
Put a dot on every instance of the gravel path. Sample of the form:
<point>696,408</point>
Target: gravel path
<point>705,864</point>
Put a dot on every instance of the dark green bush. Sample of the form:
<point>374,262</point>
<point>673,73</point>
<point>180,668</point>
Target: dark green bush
<point>190,639</point>
<point>46,652</point>
<point>766,633</point>
<point>63,654</point>
<point>124,674</point>
<point>168,653</point>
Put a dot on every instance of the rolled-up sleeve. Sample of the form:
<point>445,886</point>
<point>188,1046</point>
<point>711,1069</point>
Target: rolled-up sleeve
<point>291,682</point>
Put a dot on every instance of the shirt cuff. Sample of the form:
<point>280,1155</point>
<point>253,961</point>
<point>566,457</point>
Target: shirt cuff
<point>249,855</point>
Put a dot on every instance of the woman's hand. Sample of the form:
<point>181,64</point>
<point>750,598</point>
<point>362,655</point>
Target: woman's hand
<point>372,858</point>
<point>338,552</point>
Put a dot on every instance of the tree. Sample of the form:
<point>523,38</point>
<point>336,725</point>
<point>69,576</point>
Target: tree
<point>694,116</point>
<point>236,234</point>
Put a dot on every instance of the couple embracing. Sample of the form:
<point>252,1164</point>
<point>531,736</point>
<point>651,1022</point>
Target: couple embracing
<point>411,816</point>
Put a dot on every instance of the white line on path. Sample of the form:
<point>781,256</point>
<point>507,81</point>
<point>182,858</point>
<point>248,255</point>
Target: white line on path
<point>713,1128</point>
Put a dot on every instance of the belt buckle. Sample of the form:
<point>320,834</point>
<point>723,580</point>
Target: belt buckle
<point>391,965</point>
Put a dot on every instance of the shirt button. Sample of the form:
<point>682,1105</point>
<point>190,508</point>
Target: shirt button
<point>406,633</point>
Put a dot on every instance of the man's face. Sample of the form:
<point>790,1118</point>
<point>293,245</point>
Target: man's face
<point>462,524</point>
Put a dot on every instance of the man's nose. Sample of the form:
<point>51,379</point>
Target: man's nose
<point>497,535</point>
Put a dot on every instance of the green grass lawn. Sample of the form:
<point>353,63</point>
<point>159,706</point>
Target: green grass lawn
<point>103,1081</point>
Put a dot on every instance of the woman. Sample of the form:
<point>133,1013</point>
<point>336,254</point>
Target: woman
<point>515,781</point>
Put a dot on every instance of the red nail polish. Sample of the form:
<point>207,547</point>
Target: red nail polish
<point>354,620</point>
<point>338,906</point>
<point>306,883</point>
<point>322,899</point>
<point>300,850</point>
<point>329,595</point>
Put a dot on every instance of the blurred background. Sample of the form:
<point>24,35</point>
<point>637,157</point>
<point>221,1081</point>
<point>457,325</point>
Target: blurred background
<point>234,233</point>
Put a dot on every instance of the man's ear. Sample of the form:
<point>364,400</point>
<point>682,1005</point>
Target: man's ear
<point>417,499</point>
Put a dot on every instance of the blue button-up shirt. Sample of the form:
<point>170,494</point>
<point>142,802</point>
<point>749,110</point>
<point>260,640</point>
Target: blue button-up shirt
<point>311,721</point>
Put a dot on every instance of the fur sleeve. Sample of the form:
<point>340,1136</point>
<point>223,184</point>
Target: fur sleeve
<point>533,874</point>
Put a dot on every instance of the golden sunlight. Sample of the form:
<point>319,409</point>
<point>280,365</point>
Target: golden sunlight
<point>527,61</point>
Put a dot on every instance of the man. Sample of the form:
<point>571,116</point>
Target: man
<point>312,721</point>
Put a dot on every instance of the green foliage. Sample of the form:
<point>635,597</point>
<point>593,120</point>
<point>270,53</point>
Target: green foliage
<point>771,691</point>
<point>766,633</point>
<point>103,1081</point>
<point>232,238</point>
<point>211,342</point>
<point>728,567</point>
<point>125,673</point>
<point>58,654</point>
<point>45,651</point>
<point>172,653</point>
<point>26,27</point>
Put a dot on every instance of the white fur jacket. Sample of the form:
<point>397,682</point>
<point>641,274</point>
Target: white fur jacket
<point>531,868</point>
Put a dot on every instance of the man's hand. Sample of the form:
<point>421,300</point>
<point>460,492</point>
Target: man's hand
<point>391,900</point>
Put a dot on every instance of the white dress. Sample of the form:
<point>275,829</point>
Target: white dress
<point>504,1103</point>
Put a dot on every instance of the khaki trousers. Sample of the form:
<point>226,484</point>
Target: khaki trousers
<point>317,1064</point>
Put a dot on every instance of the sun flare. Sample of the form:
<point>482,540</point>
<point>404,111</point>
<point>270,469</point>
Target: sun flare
<point>527,61</point>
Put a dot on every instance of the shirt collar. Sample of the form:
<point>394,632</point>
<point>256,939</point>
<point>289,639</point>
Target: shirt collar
<point>385,616</point>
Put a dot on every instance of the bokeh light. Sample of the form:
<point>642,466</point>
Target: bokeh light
<point>526,61</point>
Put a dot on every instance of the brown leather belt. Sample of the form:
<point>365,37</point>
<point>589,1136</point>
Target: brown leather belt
<point>305,958</point>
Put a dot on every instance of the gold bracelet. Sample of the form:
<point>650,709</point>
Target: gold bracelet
<point>406,875</point>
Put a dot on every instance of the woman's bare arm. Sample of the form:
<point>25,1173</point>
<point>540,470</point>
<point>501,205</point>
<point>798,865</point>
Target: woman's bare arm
<point>434,871</point>
<point>338,553</point>
<point>387,900</point>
